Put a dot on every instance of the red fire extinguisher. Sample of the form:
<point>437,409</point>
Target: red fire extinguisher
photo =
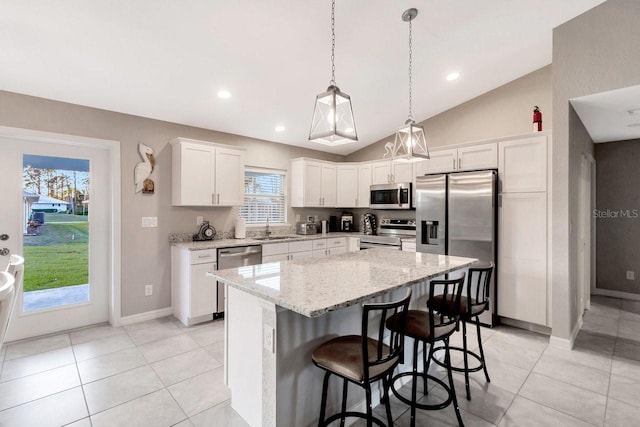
<point>537,119</point>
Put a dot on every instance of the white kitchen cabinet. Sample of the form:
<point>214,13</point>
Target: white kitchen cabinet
<point>389,172</point>
<point>409,246</point>
<point>353,182</point>
<point>522,257</point>
<point>381,172</point>
<point>313,183</point>
<point>193,294</point>
<point>478,156</point>
<point>330,246</point>
<point>353,244</point>
<point>469,157</point>
<point>523,164</point>
<point>206,174</point>
<point>286,251</point>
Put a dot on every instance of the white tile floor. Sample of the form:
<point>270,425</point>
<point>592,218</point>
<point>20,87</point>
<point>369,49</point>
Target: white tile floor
<point>159,373</point>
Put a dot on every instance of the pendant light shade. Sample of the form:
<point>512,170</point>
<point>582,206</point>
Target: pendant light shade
<point>332,122</point>
<point>411,142</point>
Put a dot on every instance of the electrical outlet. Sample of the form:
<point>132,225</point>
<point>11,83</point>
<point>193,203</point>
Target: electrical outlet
<point>149,221</point>
<point>148,290</point>
<point>268,338</point>
<point>297,217</point>
<point>631,275</point>
<point>199,220</point>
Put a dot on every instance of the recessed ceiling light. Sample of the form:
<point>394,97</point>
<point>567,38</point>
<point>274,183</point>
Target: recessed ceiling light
<point>634,112</point>
<point>280,128</point>
<point>453,76</point>
<point>634,125</point>
<point>224,94</point>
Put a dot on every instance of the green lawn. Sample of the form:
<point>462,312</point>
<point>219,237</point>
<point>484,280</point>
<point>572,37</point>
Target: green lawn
<point>58,256</point>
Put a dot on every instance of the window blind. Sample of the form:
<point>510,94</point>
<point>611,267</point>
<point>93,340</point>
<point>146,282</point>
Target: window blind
<point>264,196</point>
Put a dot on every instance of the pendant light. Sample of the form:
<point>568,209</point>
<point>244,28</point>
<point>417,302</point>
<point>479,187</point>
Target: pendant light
<point>332,122</point>
<point>410,143</point>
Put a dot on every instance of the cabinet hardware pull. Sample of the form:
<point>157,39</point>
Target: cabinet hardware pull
<point>213,198</point>
<point>459,163</point>
<point>218,198</point>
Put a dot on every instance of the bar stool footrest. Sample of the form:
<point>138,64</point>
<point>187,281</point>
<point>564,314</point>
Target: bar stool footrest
<point>362,415</point>
<point>416,376</point>
<point>460,369</point>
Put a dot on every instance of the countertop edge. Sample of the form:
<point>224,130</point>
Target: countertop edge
<point>345,304</point>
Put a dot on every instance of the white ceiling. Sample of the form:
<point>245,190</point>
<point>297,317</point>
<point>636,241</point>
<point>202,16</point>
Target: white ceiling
<point>610,116</point>
<point>167,59</point>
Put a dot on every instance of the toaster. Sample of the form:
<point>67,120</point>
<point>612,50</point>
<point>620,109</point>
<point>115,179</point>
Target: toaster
<point>306,228</point>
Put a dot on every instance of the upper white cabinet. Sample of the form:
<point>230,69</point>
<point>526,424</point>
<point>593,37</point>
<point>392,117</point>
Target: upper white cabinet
<point>353,182</point>
<point>523,165</point>
<point>206,174</point>
<point>313,183</point>
<point>470,157</point>
<point>389,172</point>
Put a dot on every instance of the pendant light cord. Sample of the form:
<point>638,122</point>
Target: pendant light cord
<point>333,43</point>
<point>410,73</point>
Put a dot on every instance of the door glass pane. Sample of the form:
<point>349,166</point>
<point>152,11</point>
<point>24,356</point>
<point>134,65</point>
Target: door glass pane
<point>56,232</point>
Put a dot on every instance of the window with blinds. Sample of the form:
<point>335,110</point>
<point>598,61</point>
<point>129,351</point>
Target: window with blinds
<point>264,197</point>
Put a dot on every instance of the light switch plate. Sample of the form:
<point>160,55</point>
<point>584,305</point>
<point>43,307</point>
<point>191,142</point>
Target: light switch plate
<point>149,221</point>
<point>199,220</point>
<point>268,338</point>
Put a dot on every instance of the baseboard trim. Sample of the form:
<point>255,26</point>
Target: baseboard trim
<point>147,315</point>
<point>567,343</point>
<point>615,294</point>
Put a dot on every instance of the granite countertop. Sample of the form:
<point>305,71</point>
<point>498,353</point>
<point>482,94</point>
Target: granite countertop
<point>227,243</point>
<point>315,286</point>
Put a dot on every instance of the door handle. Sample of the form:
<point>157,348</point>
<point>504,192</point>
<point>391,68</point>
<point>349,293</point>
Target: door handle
<point>399,197</point>
<point>5,251</point>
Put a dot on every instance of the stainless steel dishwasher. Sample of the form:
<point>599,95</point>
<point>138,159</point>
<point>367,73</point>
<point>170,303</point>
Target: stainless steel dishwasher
<point>238,256</point>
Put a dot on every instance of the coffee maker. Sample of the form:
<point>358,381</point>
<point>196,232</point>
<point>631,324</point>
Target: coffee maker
<point>346,221</point>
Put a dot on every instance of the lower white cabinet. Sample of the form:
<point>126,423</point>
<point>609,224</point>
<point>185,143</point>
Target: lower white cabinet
<point>193,294</point>
<point>330,246</point>
<point>353,244</point>
<point>409,246</point>
<point>522,257</point>
<point>285,251</point>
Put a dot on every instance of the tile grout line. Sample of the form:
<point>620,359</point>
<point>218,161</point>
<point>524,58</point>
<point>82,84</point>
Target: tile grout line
<point>84,396</point>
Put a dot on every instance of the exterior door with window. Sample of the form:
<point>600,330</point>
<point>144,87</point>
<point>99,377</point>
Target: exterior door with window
<point>56,210</point>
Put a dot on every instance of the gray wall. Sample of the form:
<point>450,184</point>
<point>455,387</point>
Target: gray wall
<point>504,111</point>
<point>594,52</point>
<point>618,237</point>
<point>146,252</point>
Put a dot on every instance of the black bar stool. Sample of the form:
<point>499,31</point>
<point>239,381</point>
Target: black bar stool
<point>362,360</point>
<point>473,303</point>
<point>427,327</point>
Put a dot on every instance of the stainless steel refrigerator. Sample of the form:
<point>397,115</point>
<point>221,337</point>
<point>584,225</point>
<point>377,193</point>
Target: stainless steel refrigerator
<point>456,214</point>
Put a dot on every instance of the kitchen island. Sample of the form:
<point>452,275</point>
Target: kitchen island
<point>278,313</point>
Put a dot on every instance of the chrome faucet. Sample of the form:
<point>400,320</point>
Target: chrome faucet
<point>267,231</point>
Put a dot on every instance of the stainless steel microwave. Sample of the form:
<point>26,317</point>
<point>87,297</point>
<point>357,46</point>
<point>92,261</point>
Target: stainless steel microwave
<point>391,196</point>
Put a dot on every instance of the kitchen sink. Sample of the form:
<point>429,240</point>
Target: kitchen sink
<point>273,238</point>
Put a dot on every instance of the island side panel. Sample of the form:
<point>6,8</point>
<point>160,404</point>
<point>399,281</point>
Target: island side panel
<point>244,367</point>
<point>299,381</point>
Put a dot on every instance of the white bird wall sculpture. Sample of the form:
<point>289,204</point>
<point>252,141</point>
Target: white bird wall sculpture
<point>143,170</point>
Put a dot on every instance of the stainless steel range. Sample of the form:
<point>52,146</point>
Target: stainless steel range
<point>390,234</point>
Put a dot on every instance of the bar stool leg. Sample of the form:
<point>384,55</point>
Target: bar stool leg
<point>414,383</point>
<point>323,405</point>
<point>484,361</point>
<point>369,409</point>
<point>427,364</point>
<point>466,358</point>
<point>385,385</point>
<point>344,402</point>
<point>447,359</point>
